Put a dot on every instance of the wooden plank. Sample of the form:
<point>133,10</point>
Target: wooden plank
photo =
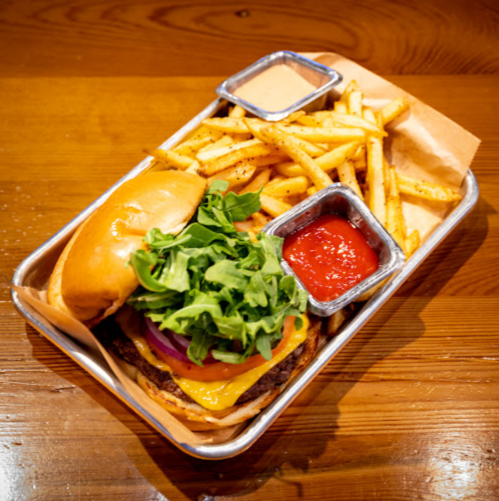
<point>79,38</point>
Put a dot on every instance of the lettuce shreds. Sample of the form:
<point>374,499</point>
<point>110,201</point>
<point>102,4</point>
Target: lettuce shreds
<point>214,285</point>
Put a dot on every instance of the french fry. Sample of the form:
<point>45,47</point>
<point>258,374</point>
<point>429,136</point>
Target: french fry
<point>309,121</point>
<point>360,165</point>
<point>326,162</point>
<point>340,107</point>
<point>212,154</point>
<point>237,175</point>
<point>387,176</point>
<point>352,121</point>
<point>354,102</point>
<point>222,163</point>
<point>261,179</point>
<point>375,178</point>
<point>312,190</point>
<point>263,161</point>
<point>412,242</point>
<point>324,134</point>
<point>191,146</point>
<point>293,200</point>
<point>239,138</point>
<point>276,179</point>
<point>286,143</point>
<point>256,126</point>
<point>193,168</point>
<point>395,222</point>
<point>346,173</point>
<point>171,158</point>
<point>425,190</point>
<point>260,219</point>
<point>360,154</point>
<point>393,110</point>
<point>237,112</point>
<point>335,321</point>
<point>287,187</point>
<point>289,169</point>
<point>199,133</point>
<point>352,86</point>
<point>328,122</point>
<point>368,115</point>
<point>243,225</point>
<point>219,143</point>
<point>273,206</point>
<point>227,124</point>
<point>294,116</point>
<point>314,150</point>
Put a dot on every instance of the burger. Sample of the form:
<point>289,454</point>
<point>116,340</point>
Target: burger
<point>199,314</point>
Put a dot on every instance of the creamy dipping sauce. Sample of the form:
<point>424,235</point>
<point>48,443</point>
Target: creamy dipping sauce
<point>275,89</point>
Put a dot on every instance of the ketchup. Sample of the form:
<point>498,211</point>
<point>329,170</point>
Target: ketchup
<point>330,256</point>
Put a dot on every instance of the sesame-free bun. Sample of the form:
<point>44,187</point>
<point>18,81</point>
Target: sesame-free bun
<point>91,280</point>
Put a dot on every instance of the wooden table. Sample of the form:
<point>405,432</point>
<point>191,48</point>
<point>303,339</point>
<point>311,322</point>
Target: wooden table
<point>409,409</point>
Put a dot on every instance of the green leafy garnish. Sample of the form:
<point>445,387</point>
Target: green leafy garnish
<point>216,286</point>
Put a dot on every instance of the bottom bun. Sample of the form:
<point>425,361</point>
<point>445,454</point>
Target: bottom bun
<point>197,418</point>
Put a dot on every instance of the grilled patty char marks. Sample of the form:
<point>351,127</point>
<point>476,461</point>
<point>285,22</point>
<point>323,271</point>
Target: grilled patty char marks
<point>112,337</point>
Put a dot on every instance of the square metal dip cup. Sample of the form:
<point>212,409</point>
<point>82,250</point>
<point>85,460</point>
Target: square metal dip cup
<point>341,200</point>
<point>317,74</point>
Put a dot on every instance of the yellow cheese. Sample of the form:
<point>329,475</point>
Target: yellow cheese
<point>219,395</point>
<point>216,395</point>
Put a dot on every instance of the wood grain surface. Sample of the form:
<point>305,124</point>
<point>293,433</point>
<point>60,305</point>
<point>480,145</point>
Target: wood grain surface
<point>408,410</point>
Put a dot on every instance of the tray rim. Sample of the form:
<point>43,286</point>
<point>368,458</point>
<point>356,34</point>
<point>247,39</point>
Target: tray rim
<point>263,421</point>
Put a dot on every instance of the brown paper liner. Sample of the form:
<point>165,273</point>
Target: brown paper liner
<point>422,144</point>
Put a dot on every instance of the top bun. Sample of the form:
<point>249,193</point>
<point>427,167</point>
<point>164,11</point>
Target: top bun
<point>91,280</point>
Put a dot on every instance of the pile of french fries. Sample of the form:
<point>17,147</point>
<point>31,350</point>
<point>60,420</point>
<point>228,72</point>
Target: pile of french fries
<point>294,158</point>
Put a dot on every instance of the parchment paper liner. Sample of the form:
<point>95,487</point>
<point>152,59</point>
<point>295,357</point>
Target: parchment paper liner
<point>422,143</point>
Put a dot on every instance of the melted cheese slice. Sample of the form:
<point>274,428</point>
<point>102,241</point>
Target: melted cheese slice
<point>215,395</point>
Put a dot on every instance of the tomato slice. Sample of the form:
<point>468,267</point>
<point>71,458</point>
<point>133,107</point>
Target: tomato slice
<point>219,371</point>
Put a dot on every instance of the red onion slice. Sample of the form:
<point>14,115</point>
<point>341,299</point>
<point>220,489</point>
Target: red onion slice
<point>171,343</point>
<point>159,341</point>
<point>180,342</point>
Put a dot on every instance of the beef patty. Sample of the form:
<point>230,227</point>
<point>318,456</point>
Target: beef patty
<point>112,337</point>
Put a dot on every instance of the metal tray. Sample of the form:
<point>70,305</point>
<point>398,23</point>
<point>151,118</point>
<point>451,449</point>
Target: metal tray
<point>36,268</point>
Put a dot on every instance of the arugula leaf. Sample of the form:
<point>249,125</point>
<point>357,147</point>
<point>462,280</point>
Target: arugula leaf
<point>242,206</point>
<point>226,273</point>
<point>226,293</point>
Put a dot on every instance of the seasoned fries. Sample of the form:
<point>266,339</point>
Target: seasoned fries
<point>324,134</point>
<point>235,176</point>
<point>232,158</point>
<point>287,143</point>
<point>375,178</point>
<point>273,206</point>
<point>393,110</point>
<point>296,157</point>
<point>172,158</point>
<point>346,173</point>
<point>258,182</point>
<point>287,187</point>
<point>428,191</point>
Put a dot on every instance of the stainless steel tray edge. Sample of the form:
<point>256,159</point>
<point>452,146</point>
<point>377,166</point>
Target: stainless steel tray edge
<point>259,425</point>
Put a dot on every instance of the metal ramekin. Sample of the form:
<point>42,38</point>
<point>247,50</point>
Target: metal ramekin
<point>323,77</point>
<point>341,200</point>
